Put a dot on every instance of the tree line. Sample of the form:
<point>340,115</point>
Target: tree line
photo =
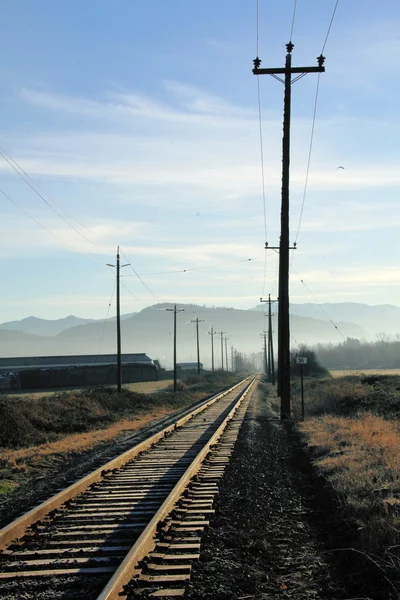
<point>384,353</point>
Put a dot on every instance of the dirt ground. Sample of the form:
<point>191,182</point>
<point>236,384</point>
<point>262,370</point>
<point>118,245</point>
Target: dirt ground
<point>278,532</point>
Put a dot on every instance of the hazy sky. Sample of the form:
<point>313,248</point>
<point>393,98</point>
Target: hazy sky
<point>140,119</point>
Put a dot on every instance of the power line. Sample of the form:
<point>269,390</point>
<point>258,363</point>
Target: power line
<point>294,16</point>
<point>265,273</point>
<point>2,150</point>
<point>330,25</point>
<point>320,305</point>
<point>48,230</point>
<point>313,122</point>
<point>141,280</point>
<point>262,157</point>
<point>260,127</point>
<point>105,322</point>
<point>275,279</point>
<point>27,179</point>
<point>261,150</point>
<point>309,158</point>
<point>235,262</point>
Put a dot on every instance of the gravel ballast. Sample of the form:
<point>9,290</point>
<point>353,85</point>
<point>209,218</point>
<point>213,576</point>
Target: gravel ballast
<point>276,532</point>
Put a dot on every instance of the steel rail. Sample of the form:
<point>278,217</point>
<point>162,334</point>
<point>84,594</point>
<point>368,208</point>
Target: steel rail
<point>146,542</point>
<point>18,527</point>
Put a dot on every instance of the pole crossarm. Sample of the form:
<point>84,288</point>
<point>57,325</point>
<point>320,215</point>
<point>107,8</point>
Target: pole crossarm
<point>282,71</point>
<point>294,247</point>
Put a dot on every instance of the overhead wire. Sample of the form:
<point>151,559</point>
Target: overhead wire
<point>235,262</point>
<point>3,151</point>
<point>330,26</point>
<point>141,280</point>
<point>312,130</point>
<point>31,183</point>
<point>293,19</point>
<point>320,305</point>
<point>49,230</point>
<point>106,319</point>
<point>308,160</point>
<point>261,146</point>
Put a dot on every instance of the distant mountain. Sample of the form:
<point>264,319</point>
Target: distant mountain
<point>151,331</point>
<point>46,327</point>
<point>380,318</point>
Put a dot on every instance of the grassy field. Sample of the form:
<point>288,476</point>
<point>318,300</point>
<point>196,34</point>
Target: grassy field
<point>142,387</point>
<point>352,430</point>
<point>345,372</point>
<point>37,430</point>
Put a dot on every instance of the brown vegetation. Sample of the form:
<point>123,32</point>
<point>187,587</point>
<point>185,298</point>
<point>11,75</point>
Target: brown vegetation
<point>37,431</point>
<point>353,434</point>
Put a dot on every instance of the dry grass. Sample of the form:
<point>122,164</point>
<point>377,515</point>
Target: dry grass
<point>361,459</point>
<point>357,372</point>
<point>147,387</point>
<point>142,387</point>
<point>25,458</point>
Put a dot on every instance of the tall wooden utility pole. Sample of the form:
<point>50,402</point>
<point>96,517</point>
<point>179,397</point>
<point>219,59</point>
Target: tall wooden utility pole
<point>119,361</point>
<point>212,333</point>
<point>283,315</point>
<point>175,310</point>
<point>271,340</point>
<point>226,353</point>
<point>221,333</point>
<point>266,367</point>
<point>197,321</point>
<point>271,365</point>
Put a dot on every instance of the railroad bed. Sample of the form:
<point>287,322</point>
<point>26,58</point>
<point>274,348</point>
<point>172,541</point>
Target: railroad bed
<point>132,527</point>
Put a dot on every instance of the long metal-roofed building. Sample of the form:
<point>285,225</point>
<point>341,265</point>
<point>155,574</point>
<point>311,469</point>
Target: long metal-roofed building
<point>33,372</point>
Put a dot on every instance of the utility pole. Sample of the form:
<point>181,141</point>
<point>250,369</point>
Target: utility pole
<point>233,366</point>
<point>175,310</point>
<point>271,365</point>
<point>283,314</point>
<point>271,340</point>
<point>226,353</point>
<point>266,364</point>
<point>118,302</point>
<point>197,321</point>
<point>221,333</point>
<point>212,333</point>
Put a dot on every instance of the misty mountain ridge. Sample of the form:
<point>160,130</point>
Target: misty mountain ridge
<point>151,331</point>
<point>50,327</point>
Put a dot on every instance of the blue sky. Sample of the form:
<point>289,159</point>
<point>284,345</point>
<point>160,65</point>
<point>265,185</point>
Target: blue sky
<point>140,119</point>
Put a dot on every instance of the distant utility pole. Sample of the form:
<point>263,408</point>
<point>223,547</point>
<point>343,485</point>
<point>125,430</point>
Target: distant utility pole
<point>283,314</point>
<point>197,321</point>
<point>266,365</point>
<point>271,364</point>
<point>175,310</point>
<point>221,333</point>
<point>212,333</point>
<point>232,363</point>
<point>226,353</point>
<point>118,302</point>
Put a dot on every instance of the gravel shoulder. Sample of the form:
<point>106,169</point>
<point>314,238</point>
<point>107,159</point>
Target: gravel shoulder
<point>278,531</point>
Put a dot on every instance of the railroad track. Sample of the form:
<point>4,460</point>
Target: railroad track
<point>132,527</point>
